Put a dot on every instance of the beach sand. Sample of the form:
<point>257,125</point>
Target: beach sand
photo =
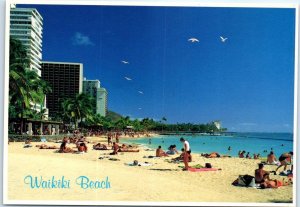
<point>160,182</point>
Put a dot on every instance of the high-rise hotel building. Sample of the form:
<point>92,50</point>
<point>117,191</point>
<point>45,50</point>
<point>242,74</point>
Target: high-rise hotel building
<point>26,25</point>
<point>65,80</point>
<point>93,88</point>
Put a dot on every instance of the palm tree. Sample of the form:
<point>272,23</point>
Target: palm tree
<point>25,86</point>
<point>78,108</point>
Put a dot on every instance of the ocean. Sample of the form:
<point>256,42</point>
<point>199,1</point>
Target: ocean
<point>261,143</point>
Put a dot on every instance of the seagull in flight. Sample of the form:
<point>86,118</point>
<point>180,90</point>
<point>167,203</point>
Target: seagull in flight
<point>223,39</point>
<point>193,39</point>
<point>141,92</point>
<point>140,108</point>
<point>129,79</point>
<point>125,62</point>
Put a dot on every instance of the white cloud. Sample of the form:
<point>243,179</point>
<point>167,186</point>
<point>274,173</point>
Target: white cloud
<point>81,39</point>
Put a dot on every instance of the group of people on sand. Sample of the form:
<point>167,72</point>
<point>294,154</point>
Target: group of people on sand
<point>262,177</point>
<point>80,144</point>
<point>185,156</point>
<point>242,154</point>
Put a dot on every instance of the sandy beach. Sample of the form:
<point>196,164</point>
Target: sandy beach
<point>160,182</point>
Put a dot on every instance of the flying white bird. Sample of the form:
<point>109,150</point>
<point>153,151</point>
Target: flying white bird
<point>125,62</point>
<point>223,39</point>
<point>129,79</point>
<point>141,92</point>
<point>140,108</point>
<point>193,39</point>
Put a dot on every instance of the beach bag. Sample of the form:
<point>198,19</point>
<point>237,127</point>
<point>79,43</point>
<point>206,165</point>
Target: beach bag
<point>208,165</point>
<point>246,180</point>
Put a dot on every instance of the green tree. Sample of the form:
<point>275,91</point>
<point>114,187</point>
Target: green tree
<point>25,86</point>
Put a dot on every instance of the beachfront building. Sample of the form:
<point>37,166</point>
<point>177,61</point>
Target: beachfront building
<point>26,25</point>
<point>65,80</point>
<point>93,88</point>
<point>217,124</point>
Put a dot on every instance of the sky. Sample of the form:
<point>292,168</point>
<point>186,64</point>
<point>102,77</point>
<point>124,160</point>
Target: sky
<point>246,82</point>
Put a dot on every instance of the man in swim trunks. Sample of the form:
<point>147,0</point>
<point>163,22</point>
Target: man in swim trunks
<point>260,174</point>
<point>187,152</point>
<point>271,159</point>
<point>283,159</point>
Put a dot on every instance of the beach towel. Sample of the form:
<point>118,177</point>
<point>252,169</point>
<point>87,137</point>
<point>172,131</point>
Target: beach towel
<point>202,169</point>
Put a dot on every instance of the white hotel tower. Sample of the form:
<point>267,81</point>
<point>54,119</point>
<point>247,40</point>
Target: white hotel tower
<point>26,25</point>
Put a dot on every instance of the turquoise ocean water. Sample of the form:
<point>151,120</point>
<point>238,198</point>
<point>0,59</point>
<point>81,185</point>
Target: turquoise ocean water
<point>250,142</point>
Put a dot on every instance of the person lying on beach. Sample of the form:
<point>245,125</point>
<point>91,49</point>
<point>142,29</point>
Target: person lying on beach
<point>100,146</point>
<point>172,150</point>
<point>115,148</point>
<point>275,183</point>
<point>283,159</point>
<point>44,146</point>
<point>160,152</point>
<point>27,143</point>
<point>260,174</point>
<point>213,155</point>
<point>82,147</point>
<point>271,159</point>
<point>64,149</point>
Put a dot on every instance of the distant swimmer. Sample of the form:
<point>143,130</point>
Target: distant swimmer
<point>229,148</point>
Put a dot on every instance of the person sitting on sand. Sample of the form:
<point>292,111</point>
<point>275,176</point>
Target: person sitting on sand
<point>271,159</point>
<point>283,159</point>
<point>115,148</point>
<point>160,152</point>
<point>242,154</point>
<point>172,150</point>
<point>260,174</point>
<point>82,147</point>
<point>180,156</point>
<point>64,149</point>
<point>248,155</point>
<point>275,183</point>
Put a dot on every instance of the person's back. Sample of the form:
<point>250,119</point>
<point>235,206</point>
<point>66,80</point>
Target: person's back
<point>158,151</point>
<point>260,174</point>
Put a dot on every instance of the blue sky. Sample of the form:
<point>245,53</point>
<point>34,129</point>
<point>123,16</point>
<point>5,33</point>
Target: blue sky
<point>247,81</point>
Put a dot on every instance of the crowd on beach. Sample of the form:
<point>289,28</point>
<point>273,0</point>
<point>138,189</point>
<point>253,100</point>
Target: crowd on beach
<point>260,177</point>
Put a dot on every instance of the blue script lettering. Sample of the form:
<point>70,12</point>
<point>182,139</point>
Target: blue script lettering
<point>39,182</point>
<point>85,183</point>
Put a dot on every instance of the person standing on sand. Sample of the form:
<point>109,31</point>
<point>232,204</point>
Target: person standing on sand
<point>187,151</point>
<point>283,159</point>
